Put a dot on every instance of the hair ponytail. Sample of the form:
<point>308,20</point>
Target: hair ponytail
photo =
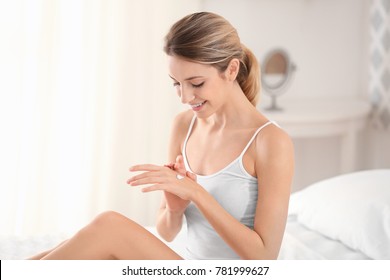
<point>249,75</point>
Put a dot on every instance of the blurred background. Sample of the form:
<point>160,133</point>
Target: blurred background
<point>84,94</point>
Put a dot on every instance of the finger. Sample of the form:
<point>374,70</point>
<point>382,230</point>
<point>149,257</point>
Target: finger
<point>192,176</point>
<point>145,167</point>
<point>147,181</point>
<point>179,164</point>
<point>179,159</point>
<point>157,187</point>
<point>170,165</point>
<point>144,175</point>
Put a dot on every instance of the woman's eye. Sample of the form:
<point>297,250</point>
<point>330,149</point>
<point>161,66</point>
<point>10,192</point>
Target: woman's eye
<point>176,84</point>
<point>198,85</point>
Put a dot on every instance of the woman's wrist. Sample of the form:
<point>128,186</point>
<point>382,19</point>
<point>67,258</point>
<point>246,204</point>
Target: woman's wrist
<point>174,212</point>
<point>169,218</point>
<point>199,195</point>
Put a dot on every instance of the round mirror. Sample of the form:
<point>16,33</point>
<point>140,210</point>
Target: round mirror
<point>277,70</point>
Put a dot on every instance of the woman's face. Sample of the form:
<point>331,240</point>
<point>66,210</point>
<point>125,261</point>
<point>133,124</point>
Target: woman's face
<point>198,85</point>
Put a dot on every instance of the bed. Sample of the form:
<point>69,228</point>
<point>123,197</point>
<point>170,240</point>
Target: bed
<point>344,217</point>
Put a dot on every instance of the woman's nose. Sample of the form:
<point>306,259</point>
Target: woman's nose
<point>185,96</point>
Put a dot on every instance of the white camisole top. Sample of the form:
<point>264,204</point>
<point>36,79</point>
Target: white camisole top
<point>235,190</point>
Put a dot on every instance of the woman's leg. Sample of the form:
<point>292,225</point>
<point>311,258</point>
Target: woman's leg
<point>112,236</point>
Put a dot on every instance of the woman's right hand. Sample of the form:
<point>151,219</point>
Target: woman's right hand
<point>174,203</point>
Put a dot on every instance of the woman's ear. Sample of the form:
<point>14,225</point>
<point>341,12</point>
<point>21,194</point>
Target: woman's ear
<point>233,69</point>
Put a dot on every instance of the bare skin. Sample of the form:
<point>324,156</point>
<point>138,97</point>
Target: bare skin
<point>220,133</point>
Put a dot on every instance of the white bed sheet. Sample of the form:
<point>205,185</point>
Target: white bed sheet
<point>301,243</point>
<point>19,248</point>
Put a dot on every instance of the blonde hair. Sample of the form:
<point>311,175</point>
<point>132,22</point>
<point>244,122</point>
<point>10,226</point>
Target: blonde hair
<point>210,39</point>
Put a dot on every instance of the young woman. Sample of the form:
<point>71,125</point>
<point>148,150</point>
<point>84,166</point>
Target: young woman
<point>230,167</point>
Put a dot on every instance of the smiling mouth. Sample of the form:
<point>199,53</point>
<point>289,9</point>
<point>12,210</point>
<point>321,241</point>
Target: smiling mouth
<point>198,105</point>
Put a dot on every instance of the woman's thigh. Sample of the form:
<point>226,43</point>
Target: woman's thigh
<point>113,236</point>
<point>131,240</point>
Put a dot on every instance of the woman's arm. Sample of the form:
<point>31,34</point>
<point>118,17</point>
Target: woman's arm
<point>274,165</point>
<point>168,222</point>
<point>170,215</point>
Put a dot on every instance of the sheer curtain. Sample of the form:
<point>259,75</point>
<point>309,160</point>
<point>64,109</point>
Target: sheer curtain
<point>84,94</point>
<point>379,87</point>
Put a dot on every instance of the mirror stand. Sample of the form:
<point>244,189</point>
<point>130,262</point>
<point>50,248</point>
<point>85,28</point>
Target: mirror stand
<point>274,106</point>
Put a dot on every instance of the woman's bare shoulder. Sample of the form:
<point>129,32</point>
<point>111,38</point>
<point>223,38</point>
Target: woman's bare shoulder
<point>179,130</point>
<point>182,122</point>
<point>273,141</point>
<point>274,156</point>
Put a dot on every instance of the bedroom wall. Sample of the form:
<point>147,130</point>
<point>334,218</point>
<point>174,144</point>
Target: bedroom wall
<point>329,41</point>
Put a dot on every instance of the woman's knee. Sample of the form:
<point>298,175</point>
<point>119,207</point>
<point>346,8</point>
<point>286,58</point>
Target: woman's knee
<point>107,218</point>
<point>101,224</point>
<point>109,225</point>
<point>110,220</point>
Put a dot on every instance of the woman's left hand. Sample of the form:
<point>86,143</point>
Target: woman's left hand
<point>164,179</point>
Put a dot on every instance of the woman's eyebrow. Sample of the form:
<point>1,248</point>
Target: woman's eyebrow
<point>193,78</point>
<point>172,77</point>
<point>189,78</point>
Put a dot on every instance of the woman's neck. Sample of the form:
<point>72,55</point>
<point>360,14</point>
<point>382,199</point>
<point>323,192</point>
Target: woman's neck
<point>236,111</point>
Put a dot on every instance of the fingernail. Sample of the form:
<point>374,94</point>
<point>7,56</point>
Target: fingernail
<point>170,166</point>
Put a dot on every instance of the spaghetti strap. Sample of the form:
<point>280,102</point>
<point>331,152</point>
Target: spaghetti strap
<point>254,136</point>
<point>189,132</point>
<point>183,152</point>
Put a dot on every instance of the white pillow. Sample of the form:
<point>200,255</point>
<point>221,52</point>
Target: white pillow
<point>352,208</point>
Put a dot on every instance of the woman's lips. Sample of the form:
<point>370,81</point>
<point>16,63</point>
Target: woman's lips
<point>197,106</point>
